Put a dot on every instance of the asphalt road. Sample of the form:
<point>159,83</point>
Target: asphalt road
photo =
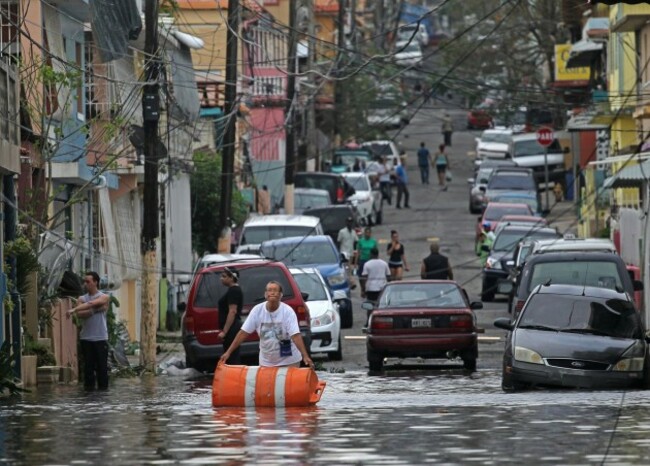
<point>434,215</point>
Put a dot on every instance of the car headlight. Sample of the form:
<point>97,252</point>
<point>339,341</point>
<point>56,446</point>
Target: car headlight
<point>325,319</point>
<point>336,279</point>
<point>527,355</point>
<point>493,263</point>
<point>632,360</point>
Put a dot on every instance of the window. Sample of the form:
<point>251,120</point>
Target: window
<point>259,234</point>
<point>303,253</point>
<point>441,295</point>
<point>585,273</point>
<point>311,284</point>
<point>9,37</point>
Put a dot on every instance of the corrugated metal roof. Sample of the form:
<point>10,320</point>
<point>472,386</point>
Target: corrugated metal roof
<point>629,177</point>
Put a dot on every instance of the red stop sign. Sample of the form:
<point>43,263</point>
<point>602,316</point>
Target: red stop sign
<point>545,136</point>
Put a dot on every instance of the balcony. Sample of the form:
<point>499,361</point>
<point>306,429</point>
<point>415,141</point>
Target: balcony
<point>628,18</point>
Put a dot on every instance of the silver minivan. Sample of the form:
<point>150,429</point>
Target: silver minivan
<point>260,228</point>
<point>526,152</point>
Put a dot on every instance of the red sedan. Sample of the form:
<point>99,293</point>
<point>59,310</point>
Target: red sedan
<point>479,119</point>
<point>423,318</point>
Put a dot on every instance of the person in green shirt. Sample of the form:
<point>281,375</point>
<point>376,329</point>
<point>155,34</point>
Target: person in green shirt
<point>485,239</point>
<point>364,247</point>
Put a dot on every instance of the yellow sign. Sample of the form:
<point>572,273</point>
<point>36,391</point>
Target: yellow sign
<point>561,71</point>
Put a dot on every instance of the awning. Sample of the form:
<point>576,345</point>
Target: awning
<point>583,53</point>
<point>629,177</point>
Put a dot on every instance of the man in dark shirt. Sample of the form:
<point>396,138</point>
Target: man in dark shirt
<point>436,266</point>
<point>230,306</point>
<point>424,159</point>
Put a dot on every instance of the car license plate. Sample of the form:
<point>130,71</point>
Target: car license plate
<point>419,323</point>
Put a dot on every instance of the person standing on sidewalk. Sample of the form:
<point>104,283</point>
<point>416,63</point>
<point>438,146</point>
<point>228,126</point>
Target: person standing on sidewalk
<point>424,159</point>
<point>281,344</point>
<point>401,180</point>
<point>447,129</point>
<point>92,309</point>
<point>230,306</point>
<point>442,165</point>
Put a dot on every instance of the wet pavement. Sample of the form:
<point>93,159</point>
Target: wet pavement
<point>405,417</point>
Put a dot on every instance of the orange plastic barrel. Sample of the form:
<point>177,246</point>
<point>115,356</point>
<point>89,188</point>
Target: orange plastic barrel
<point>249,386</point>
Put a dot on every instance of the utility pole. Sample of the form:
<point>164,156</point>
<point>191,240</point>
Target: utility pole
<point>311,151</point>
<point>338,102</point>
<point>228,154</point>
<point>290,146</point>
<point>151,212</point>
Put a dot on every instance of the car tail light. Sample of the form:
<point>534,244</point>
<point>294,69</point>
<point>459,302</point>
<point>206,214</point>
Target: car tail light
<point>520,305</point>
<point>303,316</point>
<point>381,322</point>
<point>189,325</point>
<point>461,321</point>
<point>340,195</point>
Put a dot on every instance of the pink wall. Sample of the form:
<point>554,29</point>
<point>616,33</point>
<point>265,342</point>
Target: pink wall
<point>267,130</point>
<point>64,337</point>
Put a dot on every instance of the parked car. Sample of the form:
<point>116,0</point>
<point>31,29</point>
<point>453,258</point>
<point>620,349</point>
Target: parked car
<point>575,336</point>
<point>307,198</point>
<point>334,217</point>
<point>520,220</point>
<point>479,119</point>
<point>325,318</point>
<point>260,228</point>
<point>414,31</point>
<point>384,148</point>
<point>595,269</point>
<point>321,253</point>
<point>493,143</point>
<point>495,210</point>
<point>527,152</point>
<point>500,260</point>
<point>508,180</point>
<point>344,159</point>
<point>408,53</point>
<point>215,259</point>
<point>367,198</point>
<point>333,183</point>
<point>200,321</point>
<point>423,318</point>
<point>492,163</point>
<point>388,114</point>
<point>519,197</point>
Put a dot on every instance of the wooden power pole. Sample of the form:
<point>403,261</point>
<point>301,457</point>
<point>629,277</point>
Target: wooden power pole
<point>229,139</point>
<point>151,212</point>
<point>290,146</point>
<point>338,88</point>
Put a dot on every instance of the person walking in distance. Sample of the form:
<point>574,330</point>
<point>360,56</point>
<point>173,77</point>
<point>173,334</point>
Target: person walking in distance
<point>384,180</point>
<point>424,159</point>
<point>401,180</point>
<point>447,129</point>
<point>442,165</point>
<point>374,277</point>
<point>396,257</point>
<point>347,240</point>
<point>436,266</point>
<point>281,343</point>
<point>364,247</point>
<point>230,306</point>
<point>91,309</point>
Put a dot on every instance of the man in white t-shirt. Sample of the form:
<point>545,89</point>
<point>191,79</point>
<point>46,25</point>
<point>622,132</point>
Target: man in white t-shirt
<point>375,275</point>
<point>347,241</point>
<point>384,180</point>
<point>281,343</point>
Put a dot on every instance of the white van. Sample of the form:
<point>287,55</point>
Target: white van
<point>262,228</point>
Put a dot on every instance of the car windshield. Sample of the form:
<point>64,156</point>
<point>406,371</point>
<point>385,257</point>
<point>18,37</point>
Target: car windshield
<point>609,317</point>
<point>515,182</point>
<point>529,201</point>
<point>359,183</point>
<point>349,159</point>
<point>496,137</point>
<point>532,147</point>
<point>413,47</point>
<point>494,213</point>
<point>412,295</point>
<point>331,218</point>
<point>380,148</point>
<point>483,175</point>
<point>307,200</point>
<point>508,239</point>
<point>601,274</point>
<point>261,233</point>
<point>311,284</point>
<point>301,253</point>
<point>328,183</point>
<point>251,280</point>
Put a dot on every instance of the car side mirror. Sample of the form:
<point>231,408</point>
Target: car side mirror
<point>505,287</point>
<point>637,285</point>
<point>474,305</point>
<point>503,323</point>
<point>180,307</point>
<point>367,305</point>
<point>305,296</point>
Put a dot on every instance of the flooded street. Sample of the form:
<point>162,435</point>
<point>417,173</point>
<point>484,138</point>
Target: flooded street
<point>432,417</point>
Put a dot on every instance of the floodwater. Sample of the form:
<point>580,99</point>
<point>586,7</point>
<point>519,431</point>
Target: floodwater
<point>405,418</point>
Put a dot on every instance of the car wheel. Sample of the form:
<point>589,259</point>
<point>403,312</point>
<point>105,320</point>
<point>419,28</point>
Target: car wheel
<point>510,385</point>
<point>469,364</point>
<point>345,314</point>
<point>338,354</point>
<point>645,382</point>
<point>375,362</point>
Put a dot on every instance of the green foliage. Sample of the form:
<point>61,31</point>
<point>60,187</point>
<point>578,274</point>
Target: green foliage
<point>26,261</point>
<point>44,356</point>
<point>111,321</point>
<point>205,196</point>
<point>7,378</point>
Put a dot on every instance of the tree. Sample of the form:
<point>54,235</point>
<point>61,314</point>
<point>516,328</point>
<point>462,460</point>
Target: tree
<point>205,195</point>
